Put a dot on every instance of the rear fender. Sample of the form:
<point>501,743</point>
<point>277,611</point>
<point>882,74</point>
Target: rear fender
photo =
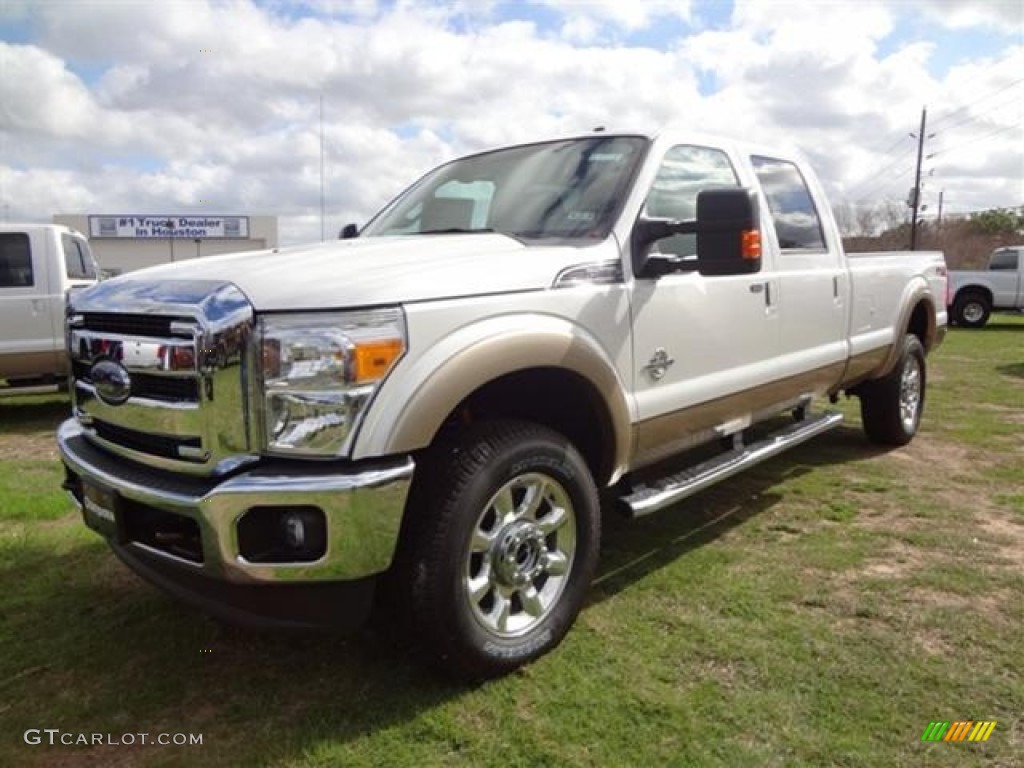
<point>916,292</point>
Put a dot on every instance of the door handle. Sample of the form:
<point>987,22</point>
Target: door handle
<point>766,288</point>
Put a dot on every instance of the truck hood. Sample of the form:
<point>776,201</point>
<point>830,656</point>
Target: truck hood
<point>381,270</point>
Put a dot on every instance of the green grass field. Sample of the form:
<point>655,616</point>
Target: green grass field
<point>819,610</point>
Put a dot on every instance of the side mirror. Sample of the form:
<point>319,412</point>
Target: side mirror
<point>646,232</point>
<point>348,232</point>
<point>728,236</point>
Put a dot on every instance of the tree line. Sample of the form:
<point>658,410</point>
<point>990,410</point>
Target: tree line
<point>966,240</point>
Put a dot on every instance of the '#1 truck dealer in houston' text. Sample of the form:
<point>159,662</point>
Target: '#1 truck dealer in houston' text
<point>424,414</point>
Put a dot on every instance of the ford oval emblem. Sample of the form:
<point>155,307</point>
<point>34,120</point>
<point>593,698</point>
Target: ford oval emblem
<point>112,382</point>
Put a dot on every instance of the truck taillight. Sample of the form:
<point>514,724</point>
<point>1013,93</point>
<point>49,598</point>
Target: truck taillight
<point>944,274</point>
<point>182,359</point>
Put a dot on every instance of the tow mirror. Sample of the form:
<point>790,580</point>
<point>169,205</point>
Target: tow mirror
<point>728,237</point>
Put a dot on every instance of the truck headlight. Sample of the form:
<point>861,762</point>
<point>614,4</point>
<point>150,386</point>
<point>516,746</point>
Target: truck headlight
<point>318,373</point>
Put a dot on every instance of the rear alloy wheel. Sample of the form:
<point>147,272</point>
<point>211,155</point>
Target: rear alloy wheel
<point>502,546</point>
<point>971,310</point>
<point>891,407</point>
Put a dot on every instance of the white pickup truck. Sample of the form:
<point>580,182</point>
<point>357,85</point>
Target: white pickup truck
<point>431,407</point>
<point>39,265</point>
<point>976,294</point>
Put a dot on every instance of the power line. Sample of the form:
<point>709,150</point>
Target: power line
<point>938,122</point>
<point>979,116</point>
<point>873,175</point>
<point>976,139</point>
<point>894,145</point>
<point>885,183</point>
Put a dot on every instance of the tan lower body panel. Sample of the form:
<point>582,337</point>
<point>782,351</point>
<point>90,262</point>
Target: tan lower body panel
<point>663,436</point>
<point>26,365</point>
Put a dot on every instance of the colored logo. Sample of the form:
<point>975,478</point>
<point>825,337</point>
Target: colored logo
<point>959,730</point>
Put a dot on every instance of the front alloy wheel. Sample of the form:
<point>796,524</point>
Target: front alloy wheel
<point>500,545</point>
<point>520,554</point>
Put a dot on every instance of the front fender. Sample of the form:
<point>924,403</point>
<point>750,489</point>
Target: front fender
<point>418,397</point>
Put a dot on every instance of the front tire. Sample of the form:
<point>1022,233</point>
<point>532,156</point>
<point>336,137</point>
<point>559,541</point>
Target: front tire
<point>891,407</point>
<point>501,548</point>
<point>971,310</point>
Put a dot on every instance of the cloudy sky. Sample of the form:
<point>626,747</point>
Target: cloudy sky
<point>192,106</point>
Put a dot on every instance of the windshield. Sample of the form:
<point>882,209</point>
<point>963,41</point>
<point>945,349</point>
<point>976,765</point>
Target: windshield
<point>562,189</point>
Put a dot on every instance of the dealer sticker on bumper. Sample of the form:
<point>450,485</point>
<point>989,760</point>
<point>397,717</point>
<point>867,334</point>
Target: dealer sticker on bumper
<point>99,508</point>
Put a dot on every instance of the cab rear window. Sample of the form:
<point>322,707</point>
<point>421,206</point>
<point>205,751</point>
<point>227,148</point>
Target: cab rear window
<point>77,259</point>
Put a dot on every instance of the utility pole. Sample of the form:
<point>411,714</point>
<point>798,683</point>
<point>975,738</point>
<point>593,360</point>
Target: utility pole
<point>917,181</point>
<point>942,193</point>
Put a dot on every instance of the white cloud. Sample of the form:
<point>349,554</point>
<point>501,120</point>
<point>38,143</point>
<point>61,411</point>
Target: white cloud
<point>1004,15</point>
<point>159,106</point>
<point>38,94</point>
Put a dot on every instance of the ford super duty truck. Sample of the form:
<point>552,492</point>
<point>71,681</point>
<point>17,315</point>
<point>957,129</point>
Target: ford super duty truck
<point>39,265</point>
<point>976,294</point>
<point>432,407</point>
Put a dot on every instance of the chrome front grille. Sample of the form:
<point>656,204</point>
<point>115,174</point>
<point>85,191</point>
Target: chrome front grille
<point>134,325</point>
<point>161,371</point>
<point>187,448</point>
<point>175,390</point>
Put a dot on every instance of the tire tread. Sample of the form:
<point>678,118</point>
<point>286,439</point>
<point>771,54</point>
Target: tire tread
<point>880,400</point>
<point>425,549</point>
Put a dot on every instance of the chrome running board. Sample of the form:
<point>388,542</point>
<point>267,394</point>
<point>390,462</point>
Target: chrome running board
<point>668,490</point>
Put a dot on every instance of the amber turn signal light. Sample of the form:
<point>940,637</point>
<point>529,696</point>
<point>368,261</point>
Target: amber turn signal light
<point>750,244</point>
<point>372,359</point>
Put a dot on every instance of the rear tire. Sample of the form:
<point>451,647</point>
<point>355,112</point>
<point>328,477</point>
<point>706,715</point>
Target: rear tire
<point>891,407</point>
<point>971,310</point>
<point>500,548</point>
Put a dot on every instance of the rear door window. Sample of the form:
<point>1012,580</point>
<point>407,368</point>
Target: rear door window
<point>15,260</point>
<point>797,224</point>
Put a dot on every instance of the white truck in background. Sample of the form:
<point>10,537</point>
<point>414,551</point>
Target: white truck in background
<point>39,265</point>
<point>976,294</point>
<point>432,406</point>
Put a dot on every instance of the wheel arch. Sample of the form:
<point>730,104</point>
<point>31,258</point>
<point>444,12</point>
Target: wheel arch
<point>918,317</point>
<point>979,288</point>
<point>544,370</point>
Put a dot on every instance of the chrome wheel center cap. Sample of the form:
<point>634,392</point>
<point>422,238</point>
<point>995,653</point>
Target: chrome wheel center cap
<point>518,555</point>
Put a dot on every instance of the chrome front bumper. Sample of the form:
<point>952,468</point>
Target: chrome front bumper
<point>362,504</point>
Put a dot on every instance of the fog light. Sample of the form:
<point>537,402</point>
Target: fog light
<point>282,535</point>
